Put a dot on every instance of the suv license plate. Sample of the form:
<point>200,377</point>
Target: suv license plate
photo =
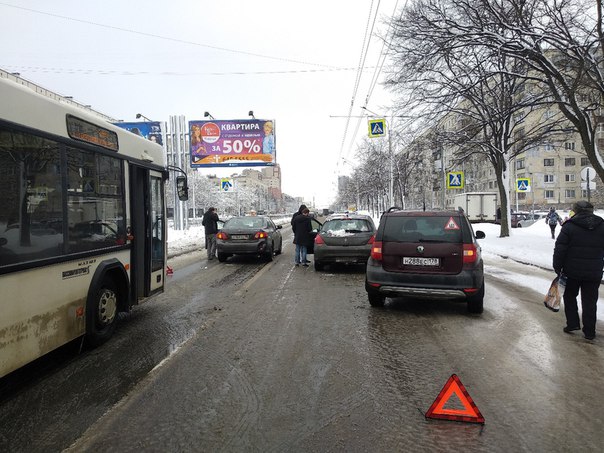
<point>408,261</point>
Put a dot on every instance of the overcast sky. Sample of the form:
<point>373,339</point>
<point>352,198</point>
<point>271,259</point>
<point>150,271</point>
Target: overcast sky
<point>294,62</point>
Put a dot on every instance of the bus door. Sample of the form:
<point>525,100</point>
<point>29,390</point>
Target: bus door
<point>148,229</point>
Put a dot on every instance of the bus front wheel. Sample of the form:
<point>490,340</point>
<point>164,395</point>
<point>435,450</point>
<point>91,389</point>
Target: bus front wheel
<point>101,314</point>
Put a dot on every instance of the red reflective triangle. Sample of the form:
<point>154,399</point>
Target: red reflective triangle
<point>469,413</point>
<point>451,224</point>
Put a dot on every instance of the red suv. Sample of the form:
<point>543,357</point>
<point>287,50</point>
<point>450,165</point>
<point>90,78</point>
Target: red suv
<point>426,254</point>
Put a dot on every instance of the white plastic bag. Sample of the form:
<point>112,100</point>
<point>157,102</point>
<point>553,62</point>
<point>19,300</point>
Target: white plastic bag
<point>552,298</point>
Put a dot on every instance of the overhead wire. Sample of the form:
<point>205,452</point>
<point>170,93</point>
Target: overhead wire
<point>362,57</point>
<point>165,38</point>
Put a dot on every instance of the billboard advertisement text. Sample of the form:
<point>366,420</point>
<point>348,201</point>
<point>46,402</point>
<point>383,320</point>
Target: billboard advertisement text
<point>232,143</point>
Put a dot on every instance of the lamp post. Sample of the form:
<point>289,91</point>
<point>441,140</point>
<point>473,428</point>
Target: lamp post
<point>140,115</point>
<point>207,114</point>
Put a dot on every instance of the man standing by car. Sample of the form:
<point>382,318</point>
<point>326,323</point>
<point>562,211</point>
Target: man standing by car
<point>302,227</point>
<point>578,253</point>
<point>210,225</point>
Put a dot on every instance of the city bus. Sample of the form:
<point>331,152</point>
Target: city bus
<point>82,223</point>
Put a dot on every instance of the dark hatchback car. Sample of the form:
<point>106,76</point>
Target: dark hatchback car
<point>249,235</point>
<point>426,254</point>
<point>344,238</point>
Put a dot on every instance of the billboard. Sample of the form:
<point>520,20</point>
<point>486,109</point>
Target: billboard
<point>151,130</point>
<point>232,143</point>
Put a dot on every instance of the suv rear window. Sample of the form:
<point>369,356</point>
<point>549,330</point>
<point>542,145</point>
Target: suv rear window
<point>427,229</point>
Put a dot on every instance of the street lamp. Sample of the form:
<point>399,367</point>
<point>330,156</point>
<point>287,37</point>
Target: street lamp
<point>207,114</point>
<point>140,115</point>
<point>251,113</point>
<point>391,192</point>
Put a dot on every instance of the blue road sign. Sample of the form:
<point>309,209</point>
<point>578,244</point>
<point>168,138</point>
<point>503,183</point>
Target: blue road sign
<point>225,184</point>
<point>523,185</point>
<point>455,180</point>
<point>377,127</point>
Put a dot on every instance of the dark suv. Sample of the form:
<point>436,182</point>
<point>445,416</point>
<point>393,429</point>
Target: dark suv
<point>426,254</point>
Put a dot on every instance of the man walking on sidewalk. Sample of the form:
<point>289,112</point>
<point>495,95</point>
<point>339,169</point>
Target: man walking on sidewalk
<point>578,253</point>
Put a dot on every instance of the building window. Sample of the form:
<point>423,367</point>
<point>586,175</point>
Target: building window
<point>570,146</point>
<point>548,162</point>
<point>570,162</point>
<point>548,178</point>
<point>569,193</point>
<point>548,147</point>
<point>569,177</point>
<point>520,164</point>
<point>549,194</point>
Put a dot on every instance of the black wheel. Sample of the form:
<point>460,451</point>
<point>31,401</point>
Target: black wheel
<point>222,257</point>
<point>268,256</point>
<point>376,300</point>
<point>101,314</point>
<point>475,302</point>
<point>319,265</point>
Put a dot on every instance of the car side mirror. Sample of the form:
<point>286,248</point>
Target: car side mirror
<point>181,188</point>
<point>480,234</point>
<point>279,227</point>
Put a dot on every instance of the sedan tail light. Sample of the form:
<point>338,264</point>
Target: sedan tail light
<point>376,250</point>
<point>261,235</point>
<point>222,236</point>
<point>470,253</point>
<point>319,240</point>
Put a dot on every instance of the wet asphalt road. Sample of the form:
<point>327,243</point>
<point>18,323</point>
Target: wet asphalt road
<point>249,356</point>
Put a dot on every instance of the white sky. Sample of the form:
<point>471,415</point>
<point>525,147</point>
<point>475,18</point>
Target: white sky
<point>164,58</point>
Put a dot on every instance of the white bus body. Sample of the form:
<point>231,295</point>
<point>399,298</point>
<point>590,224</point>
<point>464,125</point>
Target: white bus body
<point>82,224</point>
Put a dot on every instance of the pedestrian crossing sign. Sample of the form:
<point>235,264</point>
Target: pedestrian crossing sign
<point>455,180</point>
<point>377,127</point>
<point>225,184</point>
<point>523,185</point>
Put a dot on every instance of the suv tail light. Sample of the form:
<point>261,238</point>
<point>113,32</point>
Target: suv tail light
<point>319,240</point>
<point>222,236</point>
<point>470,253</point>
<point>376,250</point>
<point>261,235</point>
<point>371,239</point>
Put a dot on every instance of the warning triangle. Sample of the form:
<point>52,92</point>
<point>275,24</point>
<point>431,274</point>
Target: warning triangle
<point>451,225</point>
<point>469,413</point>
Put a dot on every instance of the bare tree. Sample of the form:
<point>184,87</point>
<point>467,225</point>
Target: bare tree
<point>475,95</point>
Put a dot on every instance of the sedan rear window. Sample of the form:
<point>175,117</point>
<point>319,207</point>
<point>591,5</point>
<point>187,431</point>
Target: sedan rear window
<point>245,222</point>
<point>423,229</point>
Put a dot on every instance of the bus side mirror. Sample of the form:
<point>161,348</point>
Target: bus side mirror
<point>181,188</point>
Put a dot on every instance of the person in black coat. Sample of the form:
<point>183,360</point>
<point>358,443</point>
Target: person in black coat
<point>579,254</point>
<point>296,214</point>
<point>210,225</point>
<point>302,237</point>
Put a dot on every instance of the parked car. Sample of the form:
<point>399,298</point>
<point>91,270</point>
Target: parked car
<point>515,219</point>
<point>529,219</point>
<point>344,238</point>
<point>426,254</point>
<point>249,235</point>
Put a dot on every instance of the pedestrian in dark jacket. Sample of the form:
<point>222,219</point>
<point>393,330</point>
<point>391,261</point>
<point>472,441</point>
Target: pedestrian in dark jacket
<point>296,214</point>
<point>579,254</point>
<point>302,238</point>
<point>553,219</point>
<point>210,225</point>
